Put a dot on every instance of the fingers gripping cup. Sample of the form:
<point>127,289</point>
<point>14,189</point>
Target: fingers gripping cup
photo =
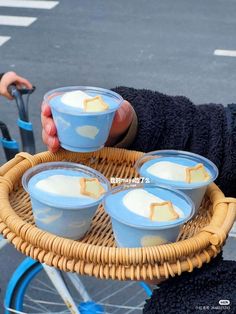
<point>64,196</point>
<point>185,171</point>
<point>146,215</point>
<point>83,116</point>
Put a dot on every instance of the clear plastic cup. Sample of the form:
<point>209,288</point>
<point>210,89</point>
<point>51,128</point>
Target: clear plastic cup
<point>133,230</point>
<point>81,131</point>
<point>66,216</point>
<point>195,190</point>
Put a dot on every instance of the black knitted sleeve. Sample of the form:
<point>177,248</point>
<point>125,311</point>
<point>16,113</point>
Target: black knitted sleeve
<point>163,121</point>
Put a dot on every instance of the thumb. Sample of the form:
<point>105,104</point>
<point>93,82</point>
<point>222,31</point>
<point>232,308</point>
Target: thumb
<point>123,118</point>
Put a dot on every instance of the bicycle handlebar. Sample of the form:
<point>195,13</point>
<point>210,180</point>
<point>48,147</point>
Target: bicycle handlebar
<point>12,90</point>
<point>26,129</point>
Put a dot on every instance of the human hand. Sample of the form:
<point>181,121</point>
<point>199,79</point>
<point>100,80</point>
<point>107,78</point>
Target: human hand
<point>122,120</point>
<point>12,78</point>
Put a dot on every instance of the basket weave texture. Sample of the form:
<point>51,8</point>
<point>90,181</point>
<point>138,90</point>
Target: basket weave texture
<point>200,240</point>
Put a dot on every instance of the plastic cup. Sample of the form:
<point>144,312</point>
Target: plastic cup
<point>81,131</point>
<point>132,230</point>
<point>68,217</point>
<point>194,190</point>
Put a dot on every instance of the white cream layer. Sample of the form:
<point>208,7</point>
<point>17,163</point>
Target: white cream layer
<point>62,185</point>
<point>138,201</point>
<point>168,170</point>
<point>75,99</point>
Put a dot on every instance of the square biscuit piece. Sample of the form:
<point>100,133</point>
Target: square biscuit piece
<point>91,187</point>
<point>163,212</point>
<point>197,173</point>
<point>95,104</point>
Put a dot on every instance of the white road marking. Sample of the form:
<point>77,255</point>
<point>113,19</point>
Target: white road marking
<point>225,53</point>
<point>16,20</point>
<point>4,39</point>
<point>29,4</point>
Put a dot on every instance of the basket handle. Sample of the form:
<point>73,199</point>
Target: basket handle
<point>219,234</point>
<point>8,165</point>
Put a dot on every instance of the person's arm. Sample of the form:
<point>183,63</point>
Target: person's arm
<point>157,121</point>
<point>165,122</point>
<point>8,78</point>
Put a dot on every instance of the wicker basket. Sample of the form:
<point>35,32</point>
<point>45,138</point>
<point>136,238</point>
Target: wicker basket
<point>200,240</point>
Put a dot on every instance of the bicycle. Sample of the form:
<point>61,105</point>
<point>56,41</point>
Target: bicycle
<point>67,289</point>
<point>10,146</point>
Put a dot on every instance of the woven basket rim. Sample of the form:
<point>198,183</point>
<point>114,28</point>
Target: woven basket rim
<point>212,235</point>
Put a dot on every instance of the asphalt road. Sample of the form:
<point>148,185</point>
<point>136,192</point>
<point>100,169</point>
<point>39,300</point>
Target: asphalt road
<point>163,45</point>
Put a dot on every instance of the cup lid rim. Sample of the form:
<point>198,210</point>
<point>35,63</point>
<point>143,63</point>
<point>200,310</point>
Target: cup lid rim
<point>75,111</point>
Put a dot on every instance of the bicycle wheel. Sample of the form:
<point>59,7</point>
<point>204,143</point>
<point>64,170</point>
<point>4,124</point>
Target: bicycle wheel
<point>31,291</point>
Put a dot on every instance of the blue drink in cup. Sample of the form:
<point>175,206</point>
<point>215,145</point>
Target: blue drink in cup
<point>61,201</point>
<point>83,116</point>
<point>173,168</point>
<point>130,209</point>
